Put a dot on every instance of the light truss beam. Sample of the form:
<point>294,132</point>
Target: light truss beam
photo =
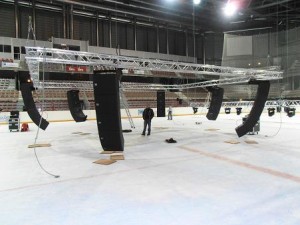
<point>271,103</point>
<point>87,85</point>
<point>59,56</point>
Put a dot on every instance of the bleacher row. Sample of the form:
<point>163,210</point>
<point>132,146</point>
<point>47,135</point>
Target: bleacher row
<point>8,100</point>
<point>56,99</point>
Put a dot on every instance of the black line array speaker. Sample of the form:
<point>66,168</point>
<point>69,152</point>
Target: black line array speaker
<point>161,104</point>
<point>75,106</point>
<point>216,102</point>
<point>257,108</point>
<point>26,90</point>
<point>107,105</point>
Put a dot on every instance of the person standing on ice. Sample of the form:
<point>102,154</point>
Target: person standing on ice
<point>148,114</point>
<point>170,113</point>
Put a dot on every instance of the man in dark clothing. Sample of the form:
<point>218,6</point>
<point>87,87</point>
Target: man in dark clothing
<point>148,114</point>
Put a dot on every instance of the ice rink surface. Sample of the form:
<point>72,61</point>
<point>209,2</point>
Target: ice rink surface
<point>200,180</point>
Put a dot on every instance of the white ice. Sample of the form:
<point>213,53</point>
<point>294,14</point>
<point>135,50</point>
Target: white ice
<point>200,180</point>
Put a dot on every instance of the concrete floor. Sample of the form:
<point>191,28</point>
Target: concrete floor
<point>199,180</point>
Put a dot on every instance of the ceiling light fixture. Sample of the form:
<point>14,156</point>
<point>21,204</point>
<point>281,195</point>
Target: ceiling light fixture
<point>196,2</point>
<point>230,9</point>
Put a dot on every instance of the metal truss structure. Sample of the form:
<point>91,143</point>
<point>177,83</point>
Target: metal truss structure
<point>87,85</point>
<point>272,103</point>
<point>81,85</point>
<point>36,55</point>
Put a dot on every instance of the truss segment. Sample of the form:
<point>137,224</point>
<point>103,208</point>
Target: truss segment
<point>59,56</point>
<point>271,103</point>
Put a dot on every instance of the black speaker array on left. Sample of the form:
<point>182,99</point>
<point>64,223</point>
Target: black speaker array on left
<point>26,90</point>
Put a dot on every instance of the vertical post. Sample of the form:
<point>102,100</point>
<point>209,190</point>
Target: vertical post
<point>97,28</point>
<point>186,43</point>
<point>17,19</point>
<point>33,15</point>
<point>203,49</point>
<point>64,21</point>
<point>110,31</point>
<point>167,40</point>
<point>194,36</point>
<point>157,38</point>
<point>135,46</point>
<point>71,23</point>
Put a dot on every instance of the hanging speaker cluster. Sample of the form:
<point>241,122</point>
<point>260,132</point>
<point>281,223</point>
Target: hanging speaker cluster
<point>216,102</point>
<point>258,106</point>
<point>26,90</point>
<point>75,106</point>
<point>107,105</point>
<point>161,104</point>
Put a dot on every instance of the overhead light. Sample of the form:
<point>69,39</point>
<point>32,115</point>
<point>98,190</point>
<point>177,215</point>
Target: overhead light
<point>197,2</point>
<point>230,9</point>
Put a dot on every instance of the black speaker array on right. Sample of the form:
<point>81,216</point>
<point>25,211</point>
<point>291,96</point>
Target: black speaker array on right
<point>161,111</point>
<point>258,106</point>
<point>75,106</point>
<point>216,102</point>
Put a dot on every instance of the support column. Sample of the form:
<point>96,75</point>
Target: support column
<point>167,40</point>
<point>64,21</point>
<point>33,16</point>
<point>194,36</point>
<point>194,47</point>
<point>203,49</point>
<point>97,28</point>
<point>157,38</point>
<point>186,43</point>
<point>135,47</point>
<point>71,23</point>
<point>17,23</point>
<point>110,32</point>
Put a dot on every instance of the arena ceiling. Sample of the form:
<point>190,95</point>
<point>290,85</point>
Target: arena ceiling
<point>208,15</point>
